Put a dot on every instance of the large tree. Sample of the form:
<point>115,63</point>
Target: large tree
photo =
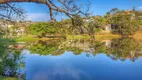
<point>10,11</point>
<point>68,7</point>
<point>125,48</point>
<point>42,29</point>
<point>125,21</point>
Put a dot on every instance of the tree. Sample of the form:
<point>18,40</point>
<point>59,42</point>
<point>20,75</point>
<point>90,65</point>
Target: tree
<point>10,59</point>
<point>125,22</point>
<point>78,23</point>
<point>68,7</point>
<point>100,22</point>
<point>125,48</point>
<point>10,11</point>
<point>114,10</point>
<point>42,28</point>
<point>44,47</point>
<point>91,30</point>
<point>65,27</point>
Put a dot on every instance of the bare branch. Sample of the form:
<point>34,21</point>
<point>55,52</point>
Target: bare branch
<point>68,7</point>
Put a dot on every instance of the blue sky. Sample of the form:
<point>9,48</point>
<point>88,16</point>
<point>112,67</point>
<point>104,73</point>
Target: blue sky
<point>39,12</point>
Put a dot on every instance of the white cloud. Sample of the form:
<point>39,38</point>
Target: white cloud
<point>140,7</point>
<point>43,17</point>
<point>38,16</point>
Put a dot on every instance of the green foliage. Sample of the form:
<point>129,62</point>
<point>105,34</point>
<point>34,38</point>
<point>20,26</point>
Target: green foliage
<point>124,21</point>
<point>44,47</point>
<point>75,50</point>
<point>8,59</point>
<point>1,34</point>
<point>37,29</point>
<point>42,28</point>
<point>99,48</point>
<point>77,20</point>
<point>65,27</point>
<point>26,38</point>
<point>8,78</point>
<point>77,37</point>
<point>100,21</point>
<point>129,27</point>
<point>78,23</point>
<point>97,30</point>
<point>125,48</point>
<point>91,29</point>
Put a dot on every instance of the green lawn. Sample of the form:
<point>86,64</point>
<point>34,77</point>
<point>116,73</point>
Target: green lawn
<point>8,78</point>
<point>30,38</point>
<point>76,37</point>
<point>97,37</point>
<point>106,36</point>
<point>26,38</point>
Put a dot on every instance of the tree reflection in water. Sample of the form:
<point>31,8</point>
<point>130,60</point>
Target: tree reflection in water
<point>117,49</point>
<point>54,47</point>
<point>125,48</point>
<point>10,60</point>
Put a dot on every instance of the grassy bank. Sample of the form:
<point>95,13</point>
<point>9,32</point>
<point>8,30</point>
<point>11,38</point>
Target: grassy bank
<point>138,35</point>
<point>97,37</point>
<point>26,38</point>
<point>106,36</point>
<point>8,78</point>
<point>76,37</point>
<point>30,38</point>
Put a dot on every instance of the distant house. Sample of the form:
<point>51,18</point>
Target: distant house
<point>108,28</point>
<point>88,19</point>
<point>107,43</point>
<point>14,27</point>
<point>3,24</point>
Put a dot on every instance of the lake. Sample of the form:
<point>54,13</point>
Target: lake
<point>118,59</point>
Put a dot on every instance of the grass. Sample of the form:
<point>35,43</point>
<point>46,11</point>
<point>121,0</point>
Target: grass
<point>76,37</point>
<point>28,38</point>
<point>98,36</point>
<point>138,35</point>
<point>106,36</point>
<point>8,78</point>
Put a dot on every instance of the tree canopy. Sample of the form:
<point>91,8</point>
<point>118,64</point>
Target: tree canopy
<point>68,7</point>
<point>43,28</point>
<point>125,22</point>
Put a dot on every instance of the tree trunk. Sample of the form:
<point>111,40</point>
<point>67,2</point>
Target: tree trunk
<point>43,35</point>
<point>92,37</point>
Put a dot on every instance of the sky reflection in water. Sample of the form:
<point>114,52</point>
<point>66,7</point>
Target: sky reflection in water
<point>119,59</point>
<point>71,67</point>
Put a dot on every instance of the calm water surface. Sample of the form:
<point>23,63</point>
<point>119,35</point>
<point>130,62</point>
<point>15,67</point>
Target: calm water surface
<point>72,67</point>
<point>79,60</point>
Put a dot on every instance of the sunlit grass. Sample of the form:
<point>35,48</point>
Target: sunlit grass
<point>30,38</point>
<point>97,37</point>
<point>8,78</point>
<point>106,36</point>
<point>138,35</point>
<point>76,37</point>
<point>26,38</point>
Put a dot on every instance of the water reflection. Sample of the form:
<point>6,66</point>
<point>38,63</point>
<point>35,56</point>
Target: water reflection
<point>126,48</point>
<point>122,49</point>
<point>44,47</point>
<point>72,60</point>
<point>10,60</point>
